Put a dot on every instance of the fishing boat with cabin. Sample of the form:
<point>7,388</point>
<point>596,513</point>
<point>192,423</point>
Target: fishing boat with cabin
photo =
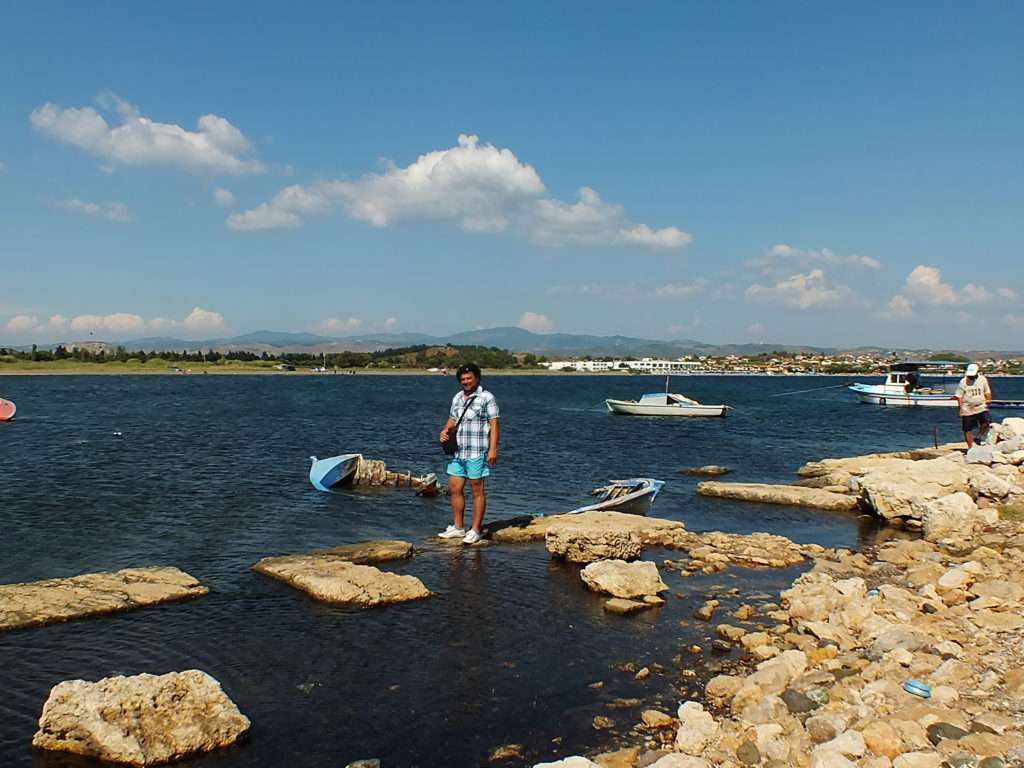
<point>903,386</point>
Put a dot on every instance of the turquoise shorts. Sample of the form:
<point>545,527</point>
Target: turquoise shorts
<point>474,469</point>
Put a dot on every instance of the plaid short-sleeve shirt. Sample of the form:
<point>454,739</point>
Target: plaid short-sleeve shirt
<point>475,430</point>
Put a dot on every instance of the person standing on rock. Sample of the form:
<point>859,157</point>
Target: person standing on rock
<point>473,421</point>
<point>973,395</point>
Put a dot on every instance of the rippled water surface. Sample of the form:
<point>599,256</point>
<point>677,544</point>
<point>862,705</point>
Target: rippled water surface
<point>208,474</point>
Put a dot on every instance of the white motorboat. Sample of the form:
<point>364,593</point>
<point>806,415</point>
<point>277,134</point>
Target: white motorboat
<point>903,387</point>
<point>634,496</point>
<point>664,404</point>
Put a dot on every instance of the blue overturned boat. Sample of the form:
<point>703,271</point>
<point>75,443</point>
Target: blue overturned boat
<point>353,470</point>
<point>324,474</point>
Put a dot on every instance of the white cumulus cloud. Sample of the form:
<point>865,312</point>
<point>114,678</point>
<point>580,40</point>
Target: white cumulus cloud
<point>924,285</point>
<point>116,323</point>
<point>807,257</point>
<point>215,146</point>
<point>111,211</point>
<point>223,197</point>
<point>22,323</point>
<point>801,291</point>
<point>200,319</point>
<point>679,290</point>
<point>535,322</point>
<point>341,325</point>
<point>900,306</point>
<point>479,186</point>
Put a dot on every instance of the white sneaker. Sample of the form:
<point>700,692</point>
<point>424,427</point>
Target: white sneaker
<point>473,537</point>
<point>451,532</point>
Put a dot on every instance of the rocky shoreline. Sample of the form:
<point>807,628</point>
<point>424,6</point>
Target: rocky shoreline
<point>909,655</point>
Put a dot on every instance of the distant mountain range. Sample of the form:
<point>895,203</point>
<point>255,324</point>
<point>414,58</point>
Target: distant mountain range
<point>510,338</point>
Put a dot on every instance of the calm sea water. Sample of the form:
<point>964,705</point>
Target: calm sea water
<point>209,474</point>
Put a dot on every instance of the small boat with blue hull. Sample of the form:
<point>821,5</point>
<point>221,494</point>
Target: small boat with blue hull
<point>324,474</point>
<point>353,470</point>
<point>634,495</point>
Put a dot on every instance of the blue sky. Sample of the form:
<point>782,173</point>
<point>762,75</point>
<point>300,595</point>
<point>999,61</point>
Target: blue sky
<point>790,173</point>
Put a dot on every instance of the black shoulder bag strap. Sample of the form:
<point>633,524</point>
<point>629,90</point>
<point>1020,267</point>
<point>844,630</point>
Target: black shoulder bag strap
<point>466,408</point>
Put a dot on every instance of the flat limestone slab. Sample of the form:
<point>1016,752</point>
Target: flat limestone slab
<point>652,531</point>
<point>792,495</point>
<point>364,553</point>
<point>340,576</point>
<point>92,594</point>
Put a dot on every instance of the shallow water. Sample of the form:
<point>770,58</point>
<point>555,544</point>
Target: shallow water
<point>209,474</point>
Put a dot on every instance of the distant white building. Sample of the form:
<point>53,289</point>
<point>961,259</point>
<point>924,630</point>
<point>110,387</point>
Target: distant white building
<point>644,365</point>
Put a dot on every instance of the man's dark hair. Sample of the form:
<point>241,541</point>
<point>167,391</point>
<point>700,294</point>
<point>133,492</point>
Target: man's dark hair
<point>468,368</point>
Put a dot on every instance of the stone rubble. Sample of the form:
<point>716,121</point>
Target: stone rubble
<point>832,659</point>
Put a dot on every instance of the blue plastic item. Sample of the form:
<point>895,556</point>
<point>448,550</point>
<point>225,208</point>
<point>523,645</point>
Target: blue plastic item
<point>917,688</point>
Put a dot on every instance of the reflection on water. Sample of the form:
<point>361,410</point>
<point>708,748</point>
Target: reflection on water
<point>209,474</point>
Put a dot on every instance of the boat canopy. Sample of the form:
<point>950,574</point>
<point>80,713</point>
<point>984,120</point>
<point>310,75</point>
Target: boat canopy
<point>914,365</point>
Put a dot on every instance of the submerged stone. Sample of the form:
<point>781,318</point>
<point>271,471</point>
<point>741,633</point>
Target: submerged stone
<point>92,594</point>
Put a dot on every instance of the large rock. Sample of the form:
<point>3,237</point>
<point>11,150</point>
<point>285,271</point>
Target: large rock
<point>904,487</point>
<point>990,485</point>
<point>774,675</point>
<point>697,728</point>
<point>621,579</point>
<point>339,581</point>
<point>42,602</point>
<point>652,531</point>
<point>955,515</point>
<point>587,544</point>
<point>680,761</point>
<point>142,720</point>
<point>1011,426</point>
<point>791,495</point>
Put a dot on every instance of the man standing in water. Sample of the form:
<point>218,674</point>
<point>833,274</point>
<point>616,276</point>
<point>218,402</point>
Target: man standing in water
<point>974,394</point>
<point>474,418</point>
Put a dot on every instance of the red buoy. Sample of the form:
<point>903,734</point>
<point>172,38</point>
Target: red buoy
<point>7,410</point>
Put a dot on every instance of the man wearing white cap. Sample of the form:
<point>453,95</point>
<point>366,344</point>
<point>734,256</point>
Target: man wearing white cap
<point>974,394</point>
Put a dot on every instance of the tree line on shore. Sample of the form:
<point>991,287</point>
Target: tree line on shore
<point>420,356</point>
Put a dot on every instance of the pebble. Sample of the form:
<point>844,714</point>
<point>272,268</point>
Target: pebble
<point>940,731</point>
<point>748,753</point>
<point>798,703</point>
<point>819,696</point>
<point>961,760</point>
<point>506,752</point>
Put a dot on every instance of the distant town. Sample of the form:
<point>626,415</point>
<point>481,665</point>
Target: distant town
<point>780,364</point>
<point>97,356</point>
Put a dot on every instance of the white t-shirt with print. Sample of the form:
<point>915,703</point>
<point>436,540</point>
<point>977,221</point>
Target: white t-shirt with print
<point>973,395</point>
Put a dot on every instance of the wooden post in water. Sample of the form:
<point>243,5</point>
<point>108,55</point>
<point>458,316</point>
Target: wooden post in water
<point>935,436</point>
